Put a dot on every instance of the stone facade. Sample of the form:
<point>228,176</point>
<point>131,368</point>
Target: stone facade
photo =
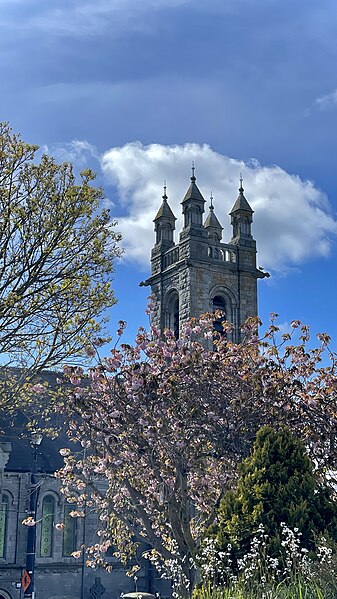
<point>25,469</point>
<point>200,273</point>
<point>57,576</point>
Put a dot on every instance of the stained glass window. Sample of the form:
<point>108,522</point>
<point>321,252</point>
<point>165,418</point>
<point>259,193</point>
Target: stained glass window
<point>46,546</point>
<point>3,525</point>
<point>69,531</point>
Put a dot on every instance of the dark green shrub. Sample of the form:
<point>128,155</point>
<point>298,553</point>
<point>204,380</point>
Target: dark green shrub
<point>277,485</point>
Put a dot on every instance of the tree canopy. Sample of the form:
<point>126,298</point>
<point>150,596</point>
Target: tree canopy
<point>57,253</point>
<point>165,423</point>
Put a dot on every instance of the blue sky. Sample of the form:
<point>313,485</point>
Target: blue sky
<point>137,89</point>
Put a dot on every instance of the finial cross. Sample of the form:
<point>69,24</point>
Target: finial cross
<point>165,188</point>
<point>193,170</point>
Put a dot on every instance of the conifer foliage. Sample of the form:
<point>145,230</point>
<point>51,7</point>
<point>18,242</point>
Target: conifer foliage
<point>277,487</point>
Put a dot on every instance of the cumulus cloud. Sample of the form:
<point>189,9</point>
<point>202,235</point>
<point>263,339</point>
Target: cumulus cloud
<point>76,151</point>
<point>292,221</point>
<point>327,102</point>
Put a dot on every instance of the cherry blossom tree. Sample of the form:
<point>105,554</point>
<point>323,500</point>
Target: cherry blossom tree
<point>165,422</point>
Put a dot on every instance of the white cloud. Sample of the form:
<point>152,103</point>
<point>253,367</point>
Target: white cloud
<point>327,102</point>
<point>76,151</point>
<point>292,220</point>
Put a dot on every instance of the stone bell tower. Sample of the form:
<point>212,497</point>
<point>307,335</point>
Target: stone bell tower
<point>200,273</point>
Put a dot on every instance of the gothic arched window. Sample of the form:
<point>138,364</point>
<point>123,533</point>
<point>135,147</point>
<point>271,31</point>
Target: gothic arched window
<point>47,524</point>
<point>218,303</point>
<point>235,227</point>
<point>69,531</point>
<point>172,314</point>
<point>175,317</point>
<point>3,525</point>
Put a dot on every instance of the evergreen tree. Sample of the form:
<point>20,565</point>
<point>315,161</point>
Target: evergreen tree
<point>277,485</point>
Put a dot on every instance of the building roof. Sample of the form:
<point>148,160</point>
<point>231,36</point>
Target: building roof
<point>212,221</point>
<point>193,192</point>
<point>241,203</point>
<point>15,430</point>
<point>21,456</point>
<point>164,211</point>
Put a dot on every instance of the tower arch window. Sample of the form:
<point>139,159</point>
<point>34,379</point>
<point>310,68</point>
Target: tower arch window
<point>172,314</point>
<point>175,317</point>
<point>196,216</point>
<point>69,531</point>
<point>235,227</point>
<point>244,226</point>
<point>4,524</point>
<point>218,303</point>
<point>47,524</point>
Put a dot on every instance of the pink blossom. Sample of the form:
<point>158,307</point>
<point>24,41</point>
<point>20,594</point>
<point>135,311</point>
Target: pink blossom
<point>295,324</point>
<point>90,351</point>
<point>29,521</point>
<point>167,423</point>
<point>324,338</point>
<point>38,389</point>
<point>64,451</point>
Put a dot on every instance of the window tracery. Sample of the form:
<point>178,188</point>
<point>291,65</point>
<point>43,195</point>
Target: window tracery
<point>47,524</point>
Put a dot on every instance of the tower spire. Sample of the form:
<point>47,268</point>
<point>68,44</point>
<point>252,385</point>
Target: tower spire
<point>212,225</point>
<point>164,224</point>
<point>241,217</point>
<point>193,208</point>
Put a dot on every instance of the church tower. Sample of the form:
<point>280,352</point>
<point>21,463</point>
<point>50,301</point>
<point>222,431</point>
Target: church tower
<point>200,273</point>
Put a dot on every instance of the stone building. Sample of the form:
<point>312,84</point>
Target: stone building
<point>197,274</point>
<point>26,473</point>
<point>200,273</point>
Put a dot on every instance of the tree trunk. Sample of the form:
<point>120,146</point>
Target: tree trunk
<point>183,587</point>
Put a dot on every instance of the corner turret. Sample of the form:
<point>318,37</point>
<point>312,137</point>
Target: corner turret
<point>193,208</point>
<point>164,225</point>
<point>212,225</point>
<point>241,217</point>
